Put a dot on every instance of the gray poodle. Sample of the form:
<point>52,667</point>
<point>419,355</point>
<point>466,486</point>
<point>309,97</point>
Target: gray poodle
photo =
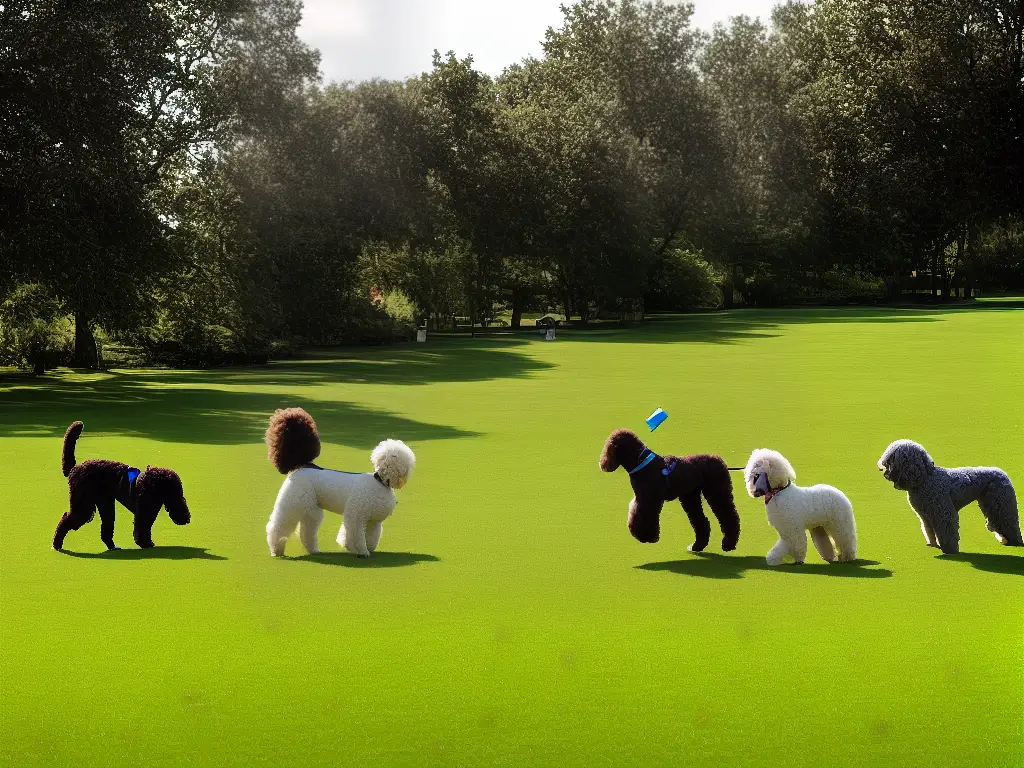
<point>937,495</point>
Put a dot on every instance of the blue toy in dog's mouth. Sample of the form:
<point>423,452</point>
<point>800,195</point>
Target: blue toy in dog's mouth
<point>656,419</point>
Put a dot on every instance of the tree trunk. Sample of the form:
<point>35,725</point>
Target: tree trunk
<point>38,369</point>
<point>85,344</point>
<point>517,310</point>
<point>729,287</point>
<point>935,274</point>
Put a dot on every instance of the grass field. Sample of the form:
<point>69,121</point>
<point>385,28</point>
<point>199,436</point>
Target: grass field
<point>509,619</point>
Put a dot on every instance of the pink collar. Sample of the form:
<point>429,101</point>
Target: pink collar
<point>772,494</point>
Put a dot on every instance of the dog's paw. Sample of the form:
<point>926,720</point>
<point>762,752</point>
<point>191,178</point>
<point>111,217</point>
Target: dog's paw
<point>364,557</point>
<point>728,546</point>
<point>696,547</point>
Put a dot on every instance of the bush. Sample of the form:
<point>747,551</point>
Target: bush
<point>403,313</point>
<point>841,286</point>
<point>34,330</point>
<point>682,281</point>
<point>182,343</point>
<point>765,290</point>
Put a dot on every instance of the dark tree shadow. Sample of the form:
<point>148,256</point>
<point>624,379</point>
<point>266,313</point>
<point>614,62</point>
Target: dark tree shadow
<point>214,407</point>
<point>152,553</point>
<point>124,406</point>
<point>376,560</point>
<point>710,565</point>
<point>983,561</point>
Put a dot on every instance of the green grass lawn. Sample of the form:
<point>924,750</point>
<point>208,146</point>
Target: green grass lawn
<point>509,618</point>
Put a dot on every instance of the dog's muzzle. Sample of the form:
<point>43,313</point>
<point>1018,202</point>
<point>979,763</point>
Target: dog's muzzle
<point>761,485</point>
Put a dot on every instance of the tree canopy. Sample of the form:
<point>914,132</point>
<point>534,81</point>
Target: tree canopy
<point>176,176</point>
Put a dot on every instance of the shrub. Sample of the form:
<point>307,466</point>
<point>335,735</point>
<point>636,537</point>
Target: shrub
<point>682,281</point>
<point>34,330</point>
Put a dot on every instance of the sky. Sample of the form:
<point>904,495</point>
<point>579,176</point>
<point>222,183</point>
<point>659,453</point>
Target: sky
<point>393,39</point>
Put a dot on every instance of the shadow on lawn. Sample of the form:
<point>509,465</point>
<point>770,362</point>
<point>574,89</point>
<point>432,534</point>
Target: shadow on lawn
<point>123,405</point>
<point>983,561</point>
<point>710,565</point>
<point>152,553</point>
<point>376,560</point>
<point>213,407</point>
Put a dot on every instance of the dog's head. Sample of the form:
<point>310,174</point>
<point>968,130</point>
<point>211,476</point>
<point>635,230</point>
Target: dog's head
<point>393,461</point>
<point>767,470</point>
<point>159,487</point>
<point>905,464</point>
<point>622,448</point>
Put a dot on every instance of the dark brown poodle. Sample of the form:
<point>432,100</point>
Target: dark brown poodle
<point>98,483</point>
<point>657,479</point>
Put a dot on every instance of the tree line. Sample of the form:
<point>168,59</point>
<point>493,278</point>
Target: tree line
<point>177,180</point>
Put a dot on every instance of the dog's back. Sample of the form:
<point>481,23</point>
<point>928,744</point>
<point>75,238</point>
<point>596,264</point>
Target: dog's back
<point>697,471</point>
<point>966,485</point>
<point>307,489</point>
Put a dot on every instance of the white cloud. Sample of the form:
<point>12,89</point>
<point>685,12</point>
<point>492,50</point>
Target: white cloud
<point>361,39</point>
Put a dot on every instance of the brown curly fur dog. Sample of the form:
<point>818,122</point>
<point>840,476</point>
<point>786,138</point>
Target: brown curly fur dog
<point>98,483</point>
<point>657,479</point>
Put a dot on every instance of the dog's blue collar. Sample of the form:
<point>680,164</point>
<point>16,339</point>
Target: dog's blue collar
<point>651,456</point>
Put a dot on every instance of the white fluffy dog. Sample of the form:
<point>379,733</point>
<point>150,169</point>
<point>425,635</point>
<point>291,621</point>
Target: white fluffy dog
<point>793,510</point>
<point>364,499</point>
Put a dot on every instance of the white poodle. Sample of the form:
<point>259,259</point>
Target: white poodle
<point>793,510</point>
<point>364,499</point>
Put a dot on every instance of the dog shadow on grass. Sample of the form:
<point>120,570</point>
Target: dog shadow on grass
<point>151,553</point>
<point>710,565</point>
<point>983,561</point>
<point>376,560</point>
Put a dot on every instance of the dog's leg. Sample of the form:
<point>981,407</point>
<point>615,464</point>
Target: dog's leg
<point>701,525</point>
<point>354,533</point>
<point>945,524</point>
<point>79,515</point>
<point>777,554</point>
<point>644,521</point>
<point>142,531</point>
<point>106,508</point>
<point>723,506</point>
<point>792,542</point>
<point>309,528</point>
<point>373,532</point>
<point>929,534</point>
<point>798,546</point>
<point>277,537</point>
<point>1001,516</point>
<point>823,544</point>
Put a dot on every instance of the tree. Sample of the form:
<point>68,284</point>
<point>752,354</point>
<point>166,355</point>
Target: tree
<point>104,98</point>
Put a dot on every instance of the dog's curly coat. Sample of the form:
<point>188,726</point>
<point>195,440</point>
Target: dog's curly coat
<point>365,500</point>
<point>98,483</point>
<point>666,478</point>
<point>792,511</point>
<point>937,495</point>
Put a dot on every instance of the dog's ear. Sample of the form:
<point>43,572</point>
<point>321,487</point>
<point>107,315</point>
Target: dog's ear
<point>609,460</point>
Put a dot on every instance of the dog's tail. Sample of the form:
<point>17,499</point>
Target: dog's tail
<point>67,459</point>
<point>292,439</point>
